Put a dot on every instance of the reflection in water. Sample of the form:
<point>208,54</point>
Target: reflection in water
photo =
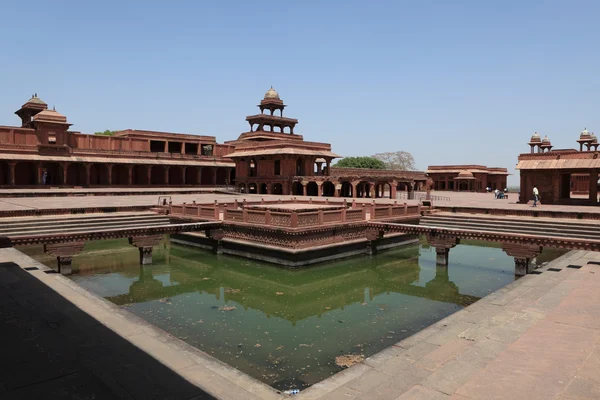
<point>286,327</point>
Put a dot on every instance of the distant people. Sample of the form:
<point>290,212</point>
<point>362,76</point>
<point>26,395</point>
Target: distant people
<point>536,195</point>
<point>44,177</point>
<point>488,189</point>
<point>496,193</point>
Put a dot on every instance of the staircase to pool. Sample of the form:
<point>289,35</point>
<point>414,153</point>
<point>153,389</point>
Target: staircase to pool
<point>67,224</point>
<point>506,224</point>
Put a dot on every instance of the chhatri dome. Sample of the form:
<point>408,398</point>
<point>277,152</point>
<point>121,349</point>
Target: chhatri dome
<point>271,94</point>
<point>535,138</point>
<point>546,140</point>
<point>584,133</point>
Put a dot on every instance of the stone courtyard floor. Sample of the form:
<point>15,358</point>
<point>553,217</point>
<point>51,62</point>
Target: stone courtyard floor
<point>537,338</point>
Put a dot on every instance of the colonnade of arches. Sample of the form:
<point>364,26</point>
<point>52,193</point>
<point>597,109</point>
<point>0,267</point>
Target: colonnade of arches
<point>346,188</point>
<point>27,173</point>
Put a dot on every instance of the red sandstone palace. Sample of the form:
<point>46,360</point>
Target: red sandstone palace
<point>270,158</point>
<point>471,178</point>
<point>561,176</point>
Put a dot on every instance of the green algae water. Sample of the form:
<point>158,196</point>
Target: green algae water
<point>286,327</point>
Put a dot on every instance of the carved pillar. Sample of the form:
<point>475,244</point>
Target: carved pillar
<point>523,254</point>
<point>442,244</point>
<point>145,245</point>
<point>214,175</point>
<point>149,173</point>
<point>166,175</point>
<point>11,173</point>
<point>198,175</point>
<point>353,190</point>
<point>184,171</point>
<point>38,173</point>
<point>372,237</point>
<point>304,188</point>
<point>372,190</point>
<point>64,253</point>
<point>65,168</point>
<point>319,189</point>
<point>217,236</point>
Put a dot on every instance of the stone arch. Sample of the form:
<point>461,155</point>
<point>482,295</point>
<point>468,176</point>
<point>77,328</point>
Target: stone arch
<point>54,173</point>
<point>99,174</point>
<point>277,188</point>
<point>232,176</point>
<point>139,175</point>
<point>157,175</point>
<point>297,189</point>
<point>76,174</point>
<point>262,188</point>
<point>362,189</point>
<point>175,175</point>
<point>191,176</point>
<point>5,173</point>
<point>221,176</point>
<point>346,190</point>
<point>312,189</point>
<point>328,189</point>
<point>206,176</point>
<point>120,174</point>
<point>26,173</point>
<point>300,167</point>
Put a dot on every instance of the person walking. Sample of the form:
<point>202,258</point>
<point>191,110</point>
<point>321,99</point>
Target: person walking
<point>536,195</point>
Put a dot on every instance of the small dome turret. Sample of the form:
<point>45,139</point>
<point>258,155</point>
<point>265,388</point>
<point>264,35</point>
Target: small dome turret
<point>584,134</point>
<point>271,94</point>
<point>545,140</point>
<point>535,138</point>
<point>465,174</point>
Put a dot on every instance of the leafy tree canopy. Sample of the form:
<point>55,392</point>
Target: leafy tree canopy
<point>397,160</point>
<point>360,162</point>
<point>105,133</point>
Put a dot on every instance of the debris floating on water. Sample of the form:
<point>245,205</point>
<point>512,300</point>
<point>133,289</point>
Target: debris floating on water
<point>348,360</point>
<point>227,308</point>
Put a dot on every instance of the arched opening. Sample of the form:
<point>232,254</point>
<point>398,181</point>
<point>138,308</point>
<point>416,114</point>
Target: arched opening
<point>300,167</point>
<point>120,174</point>
<point>140,175</point>
<point>4,173</point>
<point>388,186</point>
<point>312,189</point>
<point>191,176</point>
<point>25,173</point>
<point>99,174</point>
<point>463,186</point>
<point>252,167</point>
<point>297,189</point>
<point>175,175</point>
<point>232,176</point>
<point>346,190</point>
<point>242,188</point>
<point>362,189</point>
<point>76,174</point>
<point>262,188</point>
<point>157,175</point>
<point>252,189</point>
<point>221,176</point>
<point>206,177</point>
<point>328,189</point>
<point>54,173</point>
<point>277,188</point>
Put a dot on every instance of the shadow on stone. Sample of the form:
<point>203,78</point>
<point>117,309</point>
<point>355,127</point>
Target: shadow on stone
<point>53,350</point>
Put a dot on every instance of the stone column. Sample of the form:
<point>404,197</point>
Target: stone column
<point>319,189</point>
<point>304,189</point>
<point>372,190</point>
<point>11,173</point>
<point>214,175</point>
<point>64,253</point>
<point>184,170</point>
<point>88,171</point>
<point>38,173</point>
<point>353,190</point>
<point>166,171</point>
<point>442,244</point>
<point>65,168</point>
<point>198,175</point>
<point>149,173</point>
<point>523,254</point>
<point>217,236</point>
<point>145,245</point>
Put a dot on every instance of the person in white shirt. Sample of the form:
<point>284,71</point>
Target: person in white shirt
<point>536,196</point>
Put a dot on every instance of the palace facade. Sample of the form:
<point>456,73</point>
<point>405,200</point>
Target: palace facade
<point>566,176</point>
<point>43,151</point>
<point>467,178</point>
<point>268,159</point>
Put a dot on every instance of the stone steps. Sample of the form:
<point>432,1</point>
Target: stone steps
<point>79,224</point>
<point>506,225</point>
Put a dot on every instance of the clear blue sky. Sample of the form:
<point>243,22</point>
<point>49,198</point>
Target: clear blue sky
<point>449,81</point>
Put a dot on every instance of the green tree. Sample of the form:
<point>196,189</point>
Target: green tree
<point>105,133</point>
<point>397,160</point>
<point>360,162</point>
